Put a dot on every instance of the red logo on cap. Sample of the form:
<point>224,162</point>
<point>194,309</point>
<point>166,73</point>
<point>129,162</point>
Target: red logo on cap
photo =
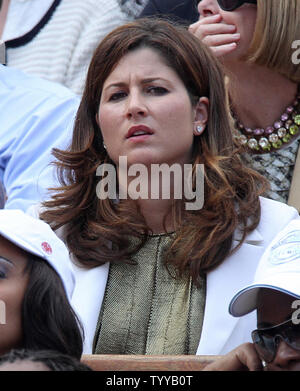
<point>47,248</point>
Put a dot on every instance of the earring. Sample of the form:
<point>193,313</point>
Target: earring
<point>199,129</point>
<point>104,146</point>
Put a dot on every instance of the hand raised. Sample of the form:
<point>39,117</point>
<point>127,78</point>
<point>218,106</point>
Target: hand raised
<point>243,358</point>
<point>220,37</point>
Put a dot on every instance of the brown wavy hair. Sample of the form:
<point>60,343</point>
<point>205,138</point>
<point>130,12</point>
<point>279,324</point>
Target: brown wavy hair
<point>97,231</point>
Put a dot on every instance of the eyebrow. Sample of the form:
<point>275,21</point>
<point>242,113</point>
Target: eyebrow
<point>6,260</point>
<point>144,81</point>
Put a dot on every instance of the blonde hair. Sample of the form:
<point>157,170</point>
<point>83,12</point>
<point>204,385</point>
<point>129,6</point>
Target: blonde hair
<point>277,26</point>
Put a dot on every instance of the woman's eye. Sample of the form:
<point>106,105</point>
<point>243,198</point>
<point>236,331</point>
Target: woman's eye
<point>157,90</point>
<point>2,274</point>
<point>117,96</point>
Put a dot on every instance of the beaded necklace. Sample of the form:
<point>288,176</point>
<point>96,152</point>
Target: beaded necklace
<point>283,131</point>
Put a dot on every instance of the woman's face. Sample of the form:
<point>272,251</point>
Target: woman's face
<point>274,308</point>
<point>13,283</point>
<point>23,365</point>
<point>145,112</point>
<point>242,18</point>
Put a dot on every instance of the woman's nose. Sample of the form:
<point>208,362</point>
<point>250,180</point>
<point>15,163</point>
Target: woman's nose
<point>135,105</point>
<point>208,7</point>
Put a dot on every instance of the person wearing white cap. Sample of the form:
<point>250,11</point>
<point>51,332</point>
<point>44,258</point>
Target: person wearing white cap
<point>36,284</point>
<point>275,294</point>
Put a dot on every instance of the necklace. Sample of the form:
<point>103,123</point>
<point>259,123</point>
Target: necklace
<point>282,132</point>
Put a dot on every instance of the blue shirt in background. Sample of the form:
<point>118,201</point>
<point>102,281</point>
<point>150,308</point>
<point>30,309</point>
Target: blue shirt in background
<point>36,116</point>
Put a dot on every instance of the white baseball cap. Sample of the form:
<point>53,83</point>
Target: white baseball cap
<point>36,237</point>
<point>278,269</point>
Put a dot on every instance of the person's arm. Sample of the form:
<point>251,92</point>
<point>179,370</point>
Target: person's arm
<point>243,358</point>
<point>32,123</point>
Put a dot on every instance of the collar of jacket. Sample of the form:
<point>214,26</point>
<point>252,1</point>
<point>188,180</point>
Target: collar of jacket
<point>222,284</point>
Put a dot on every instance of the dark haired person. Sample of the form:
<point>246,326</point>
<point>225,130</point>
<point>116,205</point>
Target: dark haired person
<point>40,360</point>
<point>255,42</point>
<point>36,285</point>
<point>275,295</point>
<point>184,11</point>
<point>155,276</point>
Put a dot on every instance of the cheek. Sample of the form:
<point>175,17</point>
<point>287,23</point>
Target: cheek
<point>245,24</point>
<point>103,122</point>
<point>109,121</point>
<point>247,31</point>
<point>243,20</point>
<point>111,129</point>
<point>230,18</point>
<point>11,297</point>
<point>177,114</point>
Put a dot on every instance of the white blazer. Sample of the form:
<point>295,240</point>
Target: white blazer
<point>221,332</point>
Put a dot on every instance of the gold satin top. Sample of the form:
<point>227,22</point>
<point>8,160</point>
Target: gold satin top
<point>147,311</point>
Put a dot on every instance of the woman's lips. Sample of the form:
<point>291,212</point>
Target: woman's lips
<point>139,132</point>
<point>140,137</point>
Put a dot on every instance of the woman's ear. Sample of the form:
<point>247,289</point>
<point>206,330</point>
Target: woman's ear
<point>201,115</point>
<point>97,120</point>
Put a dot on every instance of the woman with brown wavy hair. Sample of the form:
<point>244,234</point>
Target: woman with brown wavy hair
<point>155,276</point>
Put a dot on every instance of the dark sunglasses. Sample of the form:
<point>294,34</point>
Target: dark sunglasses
<point>267,340</point>
<point>230,5</point>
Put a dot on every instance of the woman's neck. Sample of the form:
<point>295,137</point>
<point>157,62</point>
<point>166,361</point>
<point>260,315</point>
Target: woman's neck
<point>154,193</point>
<point>259,95</point>
<point>154,212</point>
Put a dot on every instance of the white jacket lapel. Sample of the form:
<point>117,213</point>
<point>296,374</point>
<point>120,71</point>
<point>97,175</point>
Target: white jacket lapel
<point>87,299</point>
<point>222,283</point>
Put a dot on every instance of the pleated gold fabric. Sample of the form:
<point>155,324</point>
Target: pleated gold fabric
<point>146,310</point>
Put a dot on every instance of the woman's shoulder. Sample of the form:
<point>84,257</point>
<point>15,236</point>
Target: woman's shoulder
<point>275,216</point>
<point>270,206</point>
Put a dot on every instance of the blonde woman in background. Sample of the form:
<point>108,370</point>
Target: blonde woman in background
<point>254,40</point>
